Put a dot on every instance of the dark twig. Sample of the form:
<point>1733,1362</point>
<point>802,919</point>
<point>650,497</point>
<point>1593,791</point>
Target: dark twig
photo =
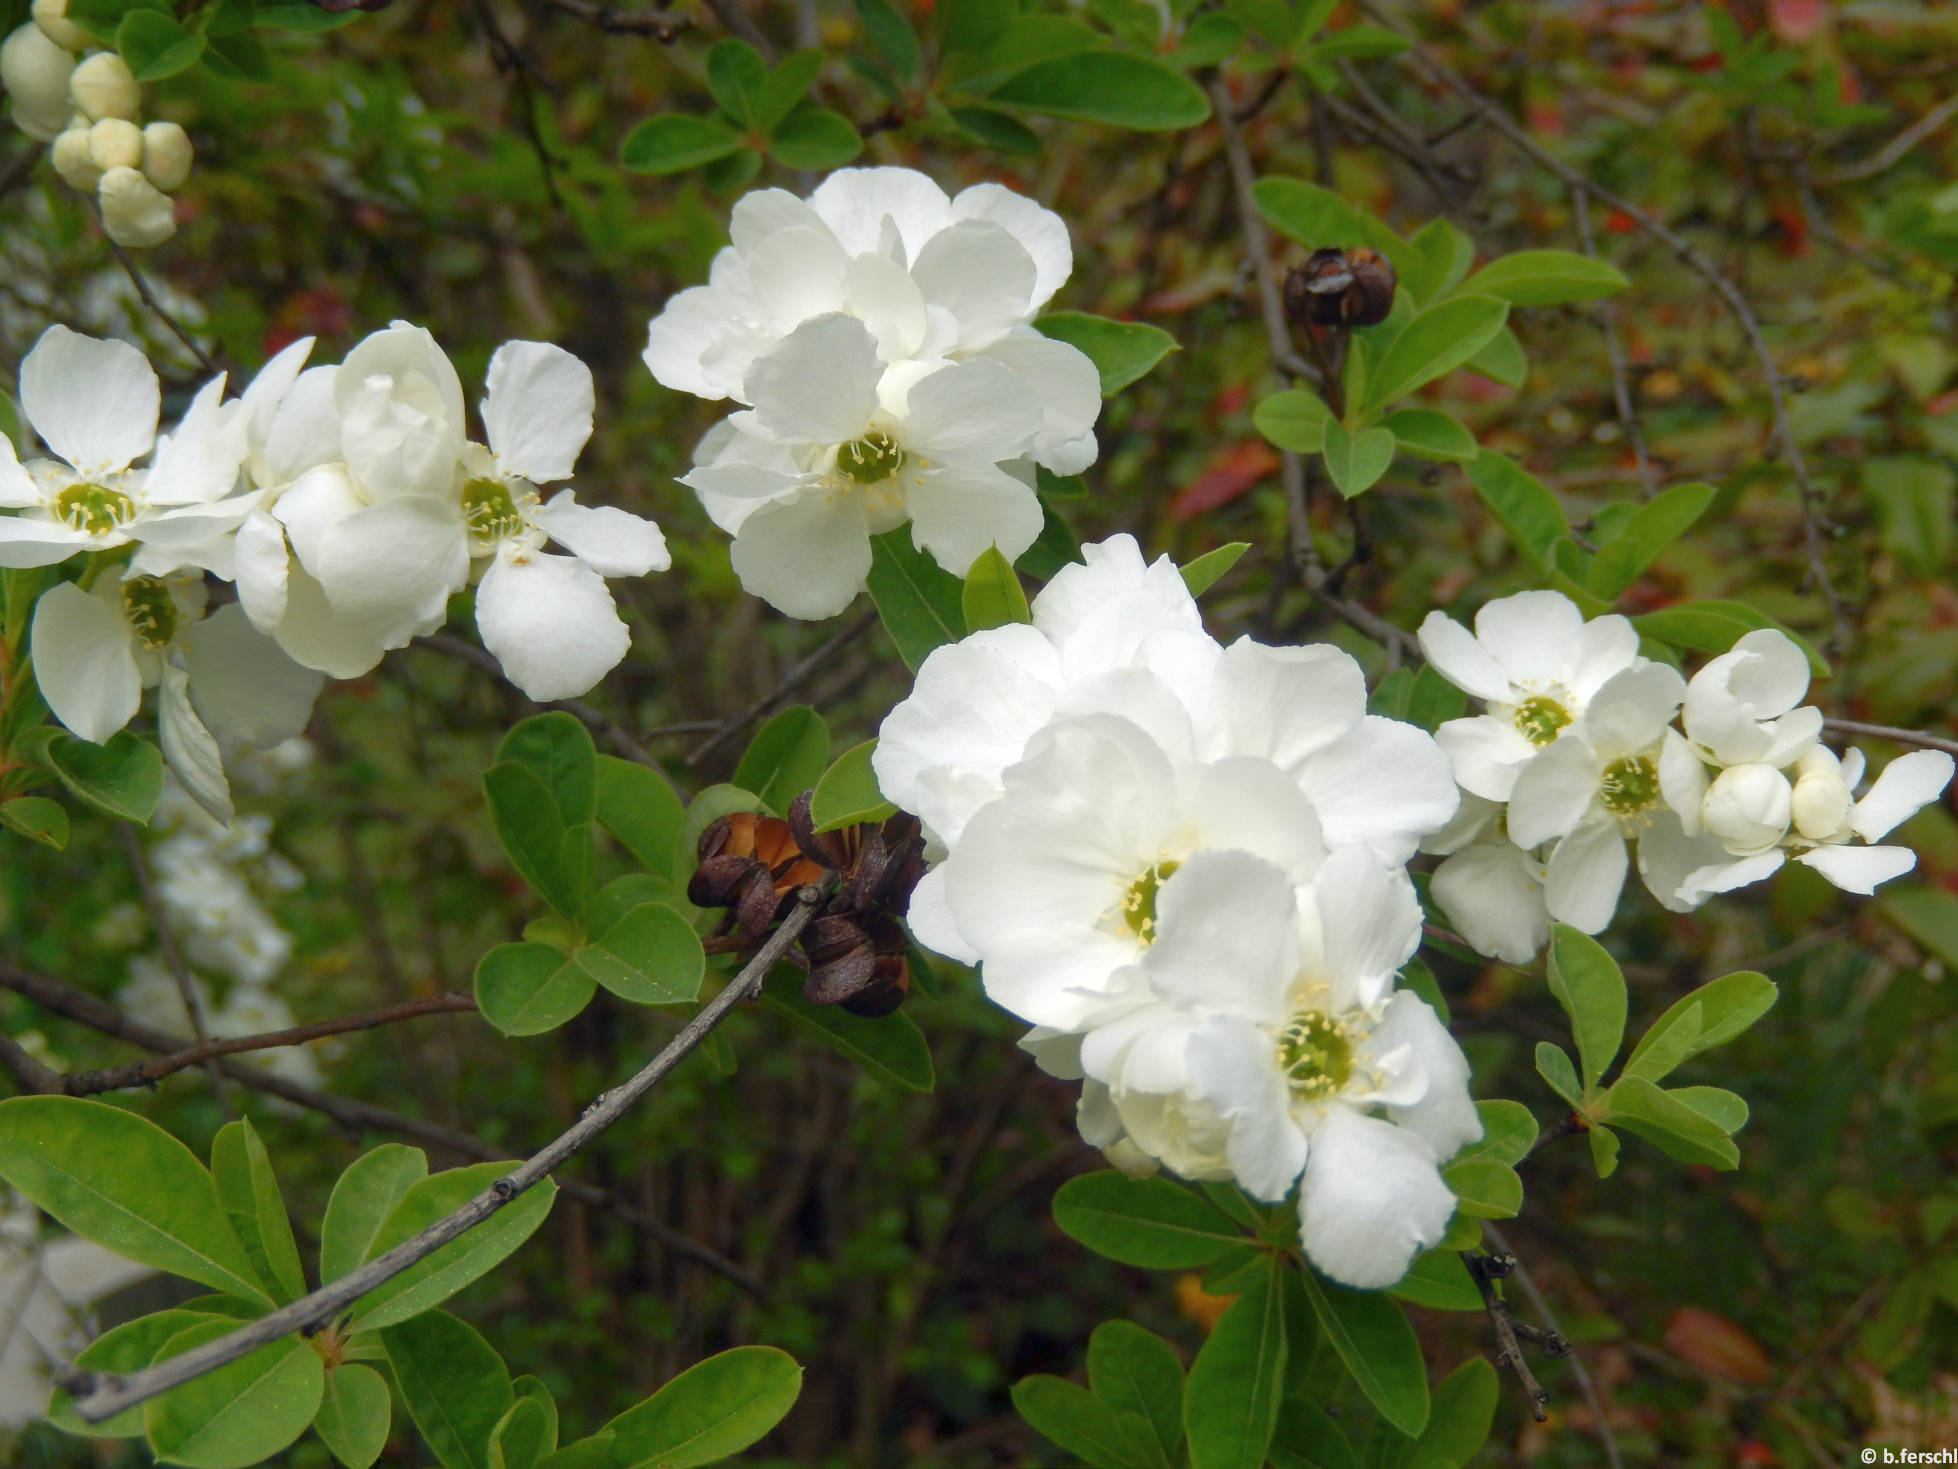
<point>35,1079</point>
<point>661,25</point>
<point>148,1073</point>
<point>149,299</point>
<point>799,674</point>
<point>102,1395</point>
<point>1887,732</point>
<point>1485,1271</point>
<point>1621,390</point>
<point>1895,149</point>
<point>1542,1307</point>
<point>173,959</point>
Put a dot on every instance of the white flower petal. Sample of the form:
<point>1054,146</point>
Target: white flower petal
<point>94,403</point>
<point>244,685</point>
<point>1492,892</point>
<point>1859,869</point>
<point>1530,636</point>
<point>1286,704</point>
<point>43,542</point>
<point>261,562</point>
<point>303,431</point>
<point>317,636</point>
<point>1455,653</point>
<point>1723,877</point>
<point>1444,1115</point>
<point>1227,936</point>
<point>537,410</point>
<point>1370,917</point>
<point>1245,802</point>
<point>981,275</point>
<point>610,541</point>
<point>806,556</point>
<point>1385,783</point>
<point>1587,873</point>
<point>1068,387</point>
<point>1231,1065</point>
<point>1486,753</point>
<point>1667,856</point>
<point>1371,1199</point>
<point>551,623</point>
<point>1553,792</point>
<point>855,202</point>
<point>17,487</point>
<point>976,412</point>
<point>796,274</point>
<point>959,510</point>
<point>930,919</point>
<point>819,385</point>
<point>188,748</point>
<point>197,461</point>
<point>1633,709</point>
<point>85,660</point>
<point>1683,781</point>
<point>1039,231</point>
<point>882,295</point>
<point>1907,785</point>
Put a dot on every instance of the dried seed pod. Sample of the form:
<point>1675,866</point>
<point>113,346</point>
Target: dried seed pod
<point>718,881</point>
<point>1314,290</point>
<point>1371,295</point>
<point>842,960</point>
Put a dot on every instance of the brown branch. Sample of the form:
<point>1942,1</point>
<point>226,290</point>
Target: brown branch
<point>1578,1370</point>
<point>1693,259</point>
<point>177,330</point>
<point>99,1396</point>
<point>1896,148</point>
<point>148,1073</point>
<point>166,938</point>
<point>1913,737</point>
<point>1485,1270</point>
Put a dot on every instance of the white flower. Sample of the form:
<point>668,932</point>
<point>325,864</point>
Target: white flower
<point>135,213</point>
<point>838,449</point>
<point>1594,789</point>
<point>35,71</point>
<point>1272,1040</point>
<point>1490,888</point>
<point>103,86</point>
<point>1536,663</point>
<point>94,404</point>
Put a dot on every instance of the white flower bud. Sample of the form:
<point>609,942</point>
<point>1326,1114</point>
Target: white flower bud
<point>1747,808</point>
<point>52,17</point>
<point>1130,1159</point>
<point>134,211</point>
<point>166,156</point>
<point>73,161</point>
<point>115,142</point>
<point>1822,797</point>
<point>103,86</point>
<point>36,74</point>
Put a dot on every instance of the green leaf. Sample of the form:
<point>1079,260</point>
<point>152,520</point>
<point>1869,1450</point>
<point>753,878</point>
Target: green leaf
<point>587,1453</point>
<point>1929,916</point>
<point>674,142</point>
<point>1724,1109</point>
<point>890,1046</point>
<point>1586,982</point>
<point>555,859</point>
<point>1149,1222</point>
<point>1360,43</point>
<point>1914,500</point>
<point>848,793</point>
<point>1502,360</point>
<point>532,1389</point>
<point>890,35</point>
<point>1306,1438</point>
<point>650,956</point>
<point>1231,1405</point>
<point>968,25</point>
<point>305,19</point>
<point>1464,1410</point>
<point>1136,1372</point>
<point>993,596</point>
<point>454,1384</point>
<point>1553,1065</point>
<point>1371,1335</point>
<point>1546,277</point>
<point>1437,341</point>
<point>433,1280</point>
<point>241,1413</point>
<point>735,73</point>
<point>1355,462</point>
<point>1485,1188</point>
<point>123,777</point>
<point>715,1408</point>
<point>1294,419</point>
<point>155,45</point>
<point>1204,572</point>
<point>996,129</point>
<point>1112,87</point>
<point>367,1192</point>
<point>1715,626</point>
<point>355,1415</point>
<point>920,603</point>
<point>1710,1016</point>
<point>1122,351</point>
<point>639,807</point>
<point>1440,1281</point>
<point>785,758</point>
<point>815,138</point>
<point>249,1192</point>
<point>1604,1149</point>
<point>1316,217</point>
<point>122,1350</point>
<point>1508,1133</point>
<point>1522,503</point>
<point>784,88</point>
<point>1089,1429</point>
<point>1636,1105</point>
<point>557,749</point>
<point>1418,696</point>
<point>522,1436</point>
<point>527,989</point>
<point>125,1183</point>
<point>1647,531</point>
<point>38,819</point>
<point>1427,434</point>
<point>1442,256</point>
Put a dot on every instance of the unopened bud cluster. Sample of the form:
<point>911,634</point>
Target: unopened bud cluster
<point>90,108</point>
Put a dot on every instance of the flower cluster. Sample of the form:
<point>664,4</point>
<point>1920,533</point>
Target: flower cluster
<point>1575,758</point>
<point>1184,864</point>
<point>345,503</point>
<point>878,337</point>
<point>90,109</point>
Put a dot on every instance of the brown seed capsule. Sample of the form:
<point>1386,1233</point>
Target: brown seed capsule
<point>1371,296</point>
<point>1314,290</point>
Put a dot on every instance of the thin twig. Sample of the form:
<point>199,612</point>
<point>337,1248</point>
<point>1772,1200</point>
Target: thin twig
<point>661,25</point>
<point>35,1078</point>
<point>1887,732</point>
<point>101,1396</point>
<point>149,299</point>
<point>148,1073</point>
<point>1896,148</point>
<point>799,674</point>
<point>1569,1354</point>
<point>1621,390</point>
<point>1485,1270</point>
<point>173,959</point>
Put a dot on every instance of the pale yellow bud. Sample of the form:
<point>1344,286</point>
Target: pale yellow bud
<point>1822,798</point>
<point>166,155</point>
<point>73,161</point>
<point>103,86</point>
<point>1747,808</point>
<point>52,17</point>
<point>134,211</point>
<point>115,143</point>
<point>36,74</point>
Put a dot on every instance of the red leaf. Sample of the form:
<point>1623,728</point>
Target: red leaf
<point>1716,1346</point>
<point>1230,472</point>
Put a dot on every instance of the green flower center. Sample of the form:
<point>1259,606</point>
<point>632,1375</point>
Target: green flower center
<point>1139,902</point>
<point>489,511</point>
<point>1539,718</point>
<point>871,459</point>
<point>1629,785</point>
<point>1316,1054</point>
<point>96,509</point>
<point>146,603</point>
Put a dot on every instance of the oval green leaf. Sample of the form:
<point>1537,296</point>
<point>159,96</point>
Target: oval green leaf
<point>992,596</point>
<point>674,142</point>
<point>1136,1372</point>
<point>715,1408</point>
<point>1370,1332</point>
<point>848,793</point>
<point>454,1384</point>
<point>1355,462</point>
<point>1546,277</point>
<point>1586,982</point>
<point>651,956</point>
<point>1437,341</point>
<point>249,1192</point>
<point>1149,1222</point>
<point>123,777</point>
<point>557,749</point>
<point>1427,434</point>
<point>155,45</point>
<point>785,758</point>
<point>814,137</point>
<point>1122,351</point>
<point>354,1415</point>
<point>639,807</point>
<point>243,1412</point>
<point>1110,87</point>
<point>527,989</point>
<point>920,603</point>
<point>1089,1429</point>
<point>1231,1405</point>
<point>1294,419</point>
<point>890,1046</point>
<point>362,1199</point>
<point>38,819</point>
<point>434,1279</point>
